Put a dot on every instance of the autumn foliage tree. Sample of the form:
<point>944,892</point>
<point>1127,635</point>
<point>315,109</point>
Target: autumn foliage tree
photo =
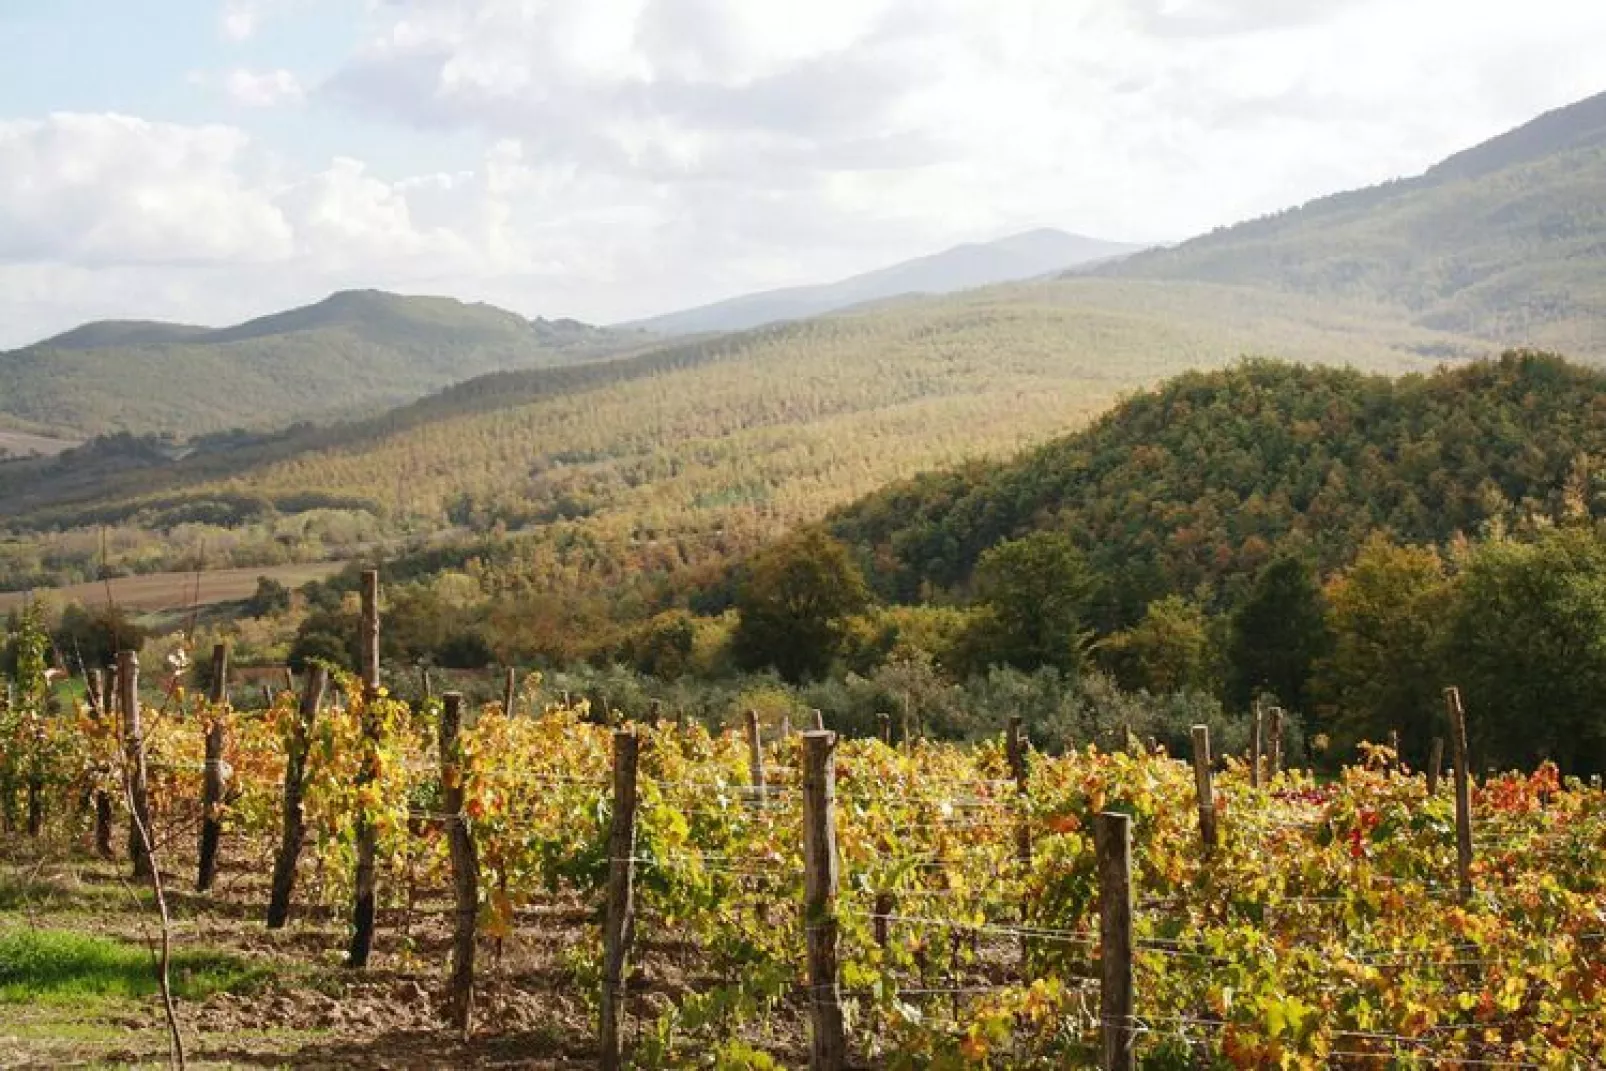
<point>1387,614</point>
<point>795,605</point>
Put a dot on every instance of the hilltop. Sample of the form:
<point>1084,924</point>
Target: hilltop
<point>965,267</point>
<point>354,351</point>
<point>1506,240</point>
<point>1195,485</point>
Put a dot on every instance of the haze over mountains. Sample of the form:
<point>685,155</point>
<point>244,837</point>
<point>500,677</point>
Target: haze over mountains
<point>964,267</point>
<point>1506,240</point>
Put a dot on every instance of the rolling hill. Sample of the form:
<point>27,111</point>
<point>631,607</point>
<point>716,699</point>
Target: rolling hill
<point>1506,240</point>
<point>615,473</point>
<point>1192,487</point>
<point>354,351</point>
<point>965,267</point>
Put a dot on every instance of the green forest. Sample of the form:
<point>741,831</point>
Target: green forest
<point>1337,543</point>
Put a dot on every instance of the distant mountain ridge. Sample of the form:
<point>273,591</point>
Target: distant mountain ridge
<point>964,267</point>
<point>1505,240</point>
<point>354,351</point>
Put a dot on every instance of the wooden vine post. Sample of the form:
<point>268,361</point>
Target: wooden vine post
<point>1015,751</point>
<point>1435,765</point>
<point>619,922</point>
<point>1276,743</point>
<point>510,691</point>
<point>755,758</point>
<point>1113,842</point>
<point>295,774</point>
<point>819,721</point>
<point>884,721</point>
<point>828,1048</point>
<point>1257,731</point>
<point>212,776</point>
<point>1204,786</point>
<point>465,868</point>
<point>139,803</point>
<point>362,914</point>
<point>1463,791</point>
<point>100,707</point>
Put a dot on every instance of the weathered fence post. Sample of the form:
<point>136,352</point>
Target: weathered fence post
<point>1276,743</point>
<point>1257,749</point>
<point>619,923</point>
<point>101,703</point>
<point>1204,787</point>
<point>1015,751</point>
<point>1463,791</point>
<point>510,691</point>
<point>1435,764</point>
<point>363,905</point>
<point>1394,746</point>
<point>139,804</point>
<point>884,722</point>
<point>755,758</point>
<point>1113,842</point>
<point>212,776</point>
<point>827,1036</point>
<point>295,772</point>
<point>465,868</point>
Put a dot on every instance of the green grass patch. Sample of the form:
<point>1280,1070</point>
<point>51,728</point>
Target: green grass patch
<point>63,965</point>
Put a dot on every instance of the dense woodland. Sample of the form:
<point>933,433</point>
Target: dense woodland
<point>1338,543</point>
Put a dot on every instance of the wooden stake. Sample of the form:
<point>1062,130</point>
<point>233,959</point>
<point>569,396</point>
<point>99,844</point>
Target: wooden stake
<point>755,758</point>
<point>363,893</point>
<point>1256,746</point>
<point>1435,765</point>
<point>1113,841</point>
<point>1463,791</point>
<point>295,772</point>
<point>212,783</point>
<point>510,691</point>
<point>1015,750</point>
<point>819,722</point>
<point>101,704</point>
<point>465,868</point>
<point>619,923</point>
<point>1204,788</point>
<point>885,723</point>
<point>1276,743</point>
<point>134,750</point>
<point>827,1036</point>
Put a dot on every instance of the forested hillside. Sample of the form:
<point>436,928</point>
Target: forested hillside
<point>1195,486</point>
<point>672,455</point>
<point>1506,240</point>
<point>354,351</point>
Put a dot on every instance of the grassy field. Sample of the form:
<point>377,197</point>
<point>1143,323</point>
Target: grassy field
<point>166,592</point>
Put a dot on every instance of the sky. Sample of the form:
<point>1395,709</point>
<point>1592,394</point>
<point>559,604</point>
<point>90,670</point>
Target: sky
<point>211,160</point>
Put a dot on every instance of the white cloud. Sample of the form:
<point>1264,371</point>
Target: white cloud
<point>263,89</point>
<point>647,154</point>
<point>239,19</point>
<point>109,189</point>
